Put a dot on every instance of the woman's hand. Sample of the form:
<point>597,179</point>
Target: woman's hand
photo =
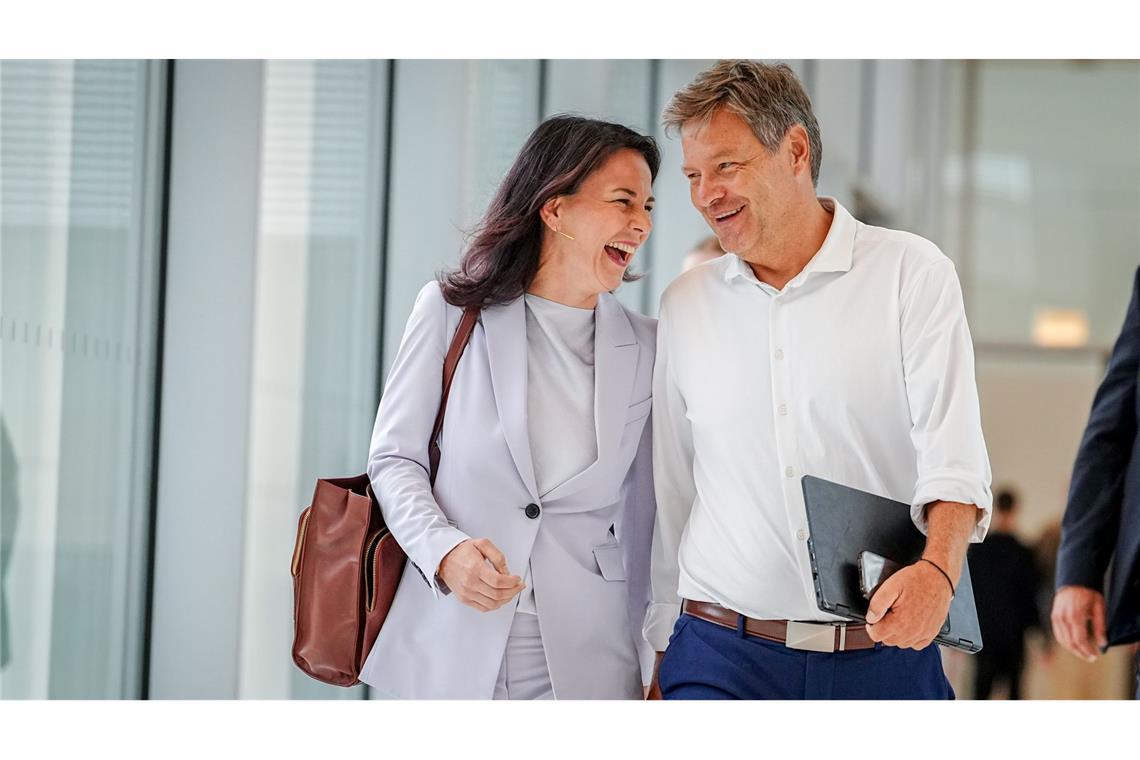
<point>476,572</point>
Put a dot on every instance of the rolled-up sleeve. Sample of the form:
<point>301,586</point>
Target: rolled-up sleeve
<point>938,363</point>
<point>675,492</point>
<point>398,463</point>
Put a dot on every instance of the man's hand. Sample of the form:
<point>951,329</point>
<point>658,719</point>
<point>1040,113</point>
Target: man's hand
<point>653,691</point>
<point>476,583</point>
<point>910,608</point>
<point>1078,621</point>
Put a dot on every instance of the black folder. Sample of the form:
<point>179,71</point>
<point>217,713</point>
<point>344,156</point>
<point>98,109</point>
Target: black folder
<point>845,521</point>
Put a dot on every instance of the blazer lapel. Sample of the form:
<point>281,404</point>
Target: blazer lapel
<point>505,329</point>
<point>615,363</point>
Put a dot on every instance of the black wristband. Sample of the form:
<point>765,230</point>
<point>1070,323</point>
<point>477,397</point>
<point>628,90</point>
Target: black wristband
<point>953,590</point>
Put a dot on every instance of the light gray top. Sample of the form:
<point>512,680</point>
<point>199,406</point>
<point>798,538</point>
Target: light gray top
<point>560,398</point>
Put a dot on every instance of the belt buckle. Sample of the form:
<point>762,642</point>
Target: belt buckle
<point>810,637</point>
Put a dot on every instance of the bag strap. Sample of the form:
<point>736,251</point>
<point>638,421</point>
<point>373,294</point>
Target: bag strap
<point>454,352</point>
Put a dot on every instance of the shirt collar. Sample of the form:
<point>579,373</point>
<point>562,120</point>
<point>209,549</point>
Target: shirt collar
<point>834,255</point>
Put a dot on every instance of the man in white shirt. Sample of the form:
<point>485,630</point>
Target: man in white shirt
<point>817,346</point>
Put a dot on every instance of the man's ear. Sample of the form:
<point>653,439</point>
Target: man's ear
<point>799,149</point>
<point>551,213</point>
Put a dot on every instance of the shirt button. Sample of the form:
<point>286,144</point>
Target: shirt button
<point>783,409</point>
<point>532,511</point>
<point>789,472</point>
<point>779,354</point>
<point>802,534</point>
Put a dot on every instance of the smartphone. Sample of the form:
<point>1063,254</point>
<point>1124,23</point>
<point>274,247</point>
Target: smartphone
<point>873,570</point>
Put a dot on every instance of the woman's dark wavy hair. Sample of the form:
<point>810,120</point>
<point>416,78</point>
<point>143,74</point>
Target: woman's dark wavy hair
<point>502,258</point>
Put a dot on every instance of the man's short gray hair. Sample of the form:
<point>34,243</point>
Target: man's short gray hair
<point>769,98</point>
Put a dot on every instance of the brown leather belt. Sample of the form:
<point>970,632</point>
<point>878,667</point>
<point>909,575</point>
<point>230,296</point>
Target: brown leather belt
<point>811,637</point>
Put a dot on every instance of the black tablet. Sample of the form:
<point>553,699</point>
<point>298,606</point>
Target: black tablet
<point>843,522</point>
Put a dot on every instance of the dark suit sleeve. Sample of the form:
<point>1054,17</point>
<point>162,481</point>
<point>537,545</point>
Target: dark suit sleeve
<point>1092,516</point>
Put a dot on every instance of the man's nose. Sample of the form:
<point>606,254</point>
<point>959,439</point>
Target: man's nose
<point>707,191</point>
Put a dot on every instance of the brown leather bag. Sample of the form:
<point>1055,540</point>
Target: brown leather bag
<point>346,565</point>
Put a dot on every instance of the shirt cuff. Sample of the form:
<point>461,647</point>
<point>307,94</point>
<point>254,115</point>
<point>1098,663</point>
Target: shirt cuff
<point>659,621</point>
<point>956,486</point>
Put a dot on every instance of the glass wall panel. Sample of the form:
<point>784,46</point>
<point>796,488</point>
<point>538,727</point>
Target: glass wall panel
<point>316,331</point>
<point>1053,185</point>
<point>458,126</point>
<point>80,153</point>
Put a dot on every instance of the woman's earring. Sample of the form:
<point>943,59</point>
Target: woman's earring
<point>563,234</point>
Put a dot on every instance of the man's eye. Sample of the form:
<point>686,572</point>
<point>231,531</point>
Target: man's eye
<point>727,165</point>
<point>692,176</point>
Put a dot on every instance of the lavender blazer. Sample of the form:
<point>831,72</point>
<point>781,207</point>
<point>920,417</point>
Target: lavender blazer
<point>590,584</point>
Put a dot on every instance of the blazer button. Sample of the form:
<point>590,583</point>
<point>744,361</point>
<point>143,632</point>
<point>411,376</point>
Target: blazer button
<point>532,511</point>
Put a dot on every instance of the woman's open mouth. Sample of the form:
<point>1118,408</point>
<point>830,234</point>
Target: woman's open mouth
<point>620,252</point>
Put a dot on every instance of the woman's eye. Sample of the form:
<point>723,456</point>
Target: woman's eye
<point>622,200</point>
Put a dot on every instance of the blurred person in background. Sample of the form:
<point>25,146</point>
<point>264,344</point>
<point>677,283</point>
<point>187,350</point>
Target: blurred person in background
<point>1006,598</point>
<point>705,250</point>
<point>527,569</point>
<point>1101,526</point>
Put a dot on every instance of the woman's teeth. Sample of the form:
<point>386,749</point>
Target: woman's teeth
<point>620,253</point>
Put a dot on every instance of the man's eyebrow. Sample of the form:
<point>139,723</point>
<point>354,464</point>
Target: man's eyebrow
<point>727,153</point>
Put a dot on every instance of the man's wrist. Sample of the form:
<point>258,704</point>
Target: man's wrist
<point>941,571</point>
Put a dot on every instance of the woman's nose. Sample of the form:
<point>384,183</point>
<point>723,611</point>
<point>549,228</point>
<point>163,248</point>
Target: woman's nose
<point>643,223</point>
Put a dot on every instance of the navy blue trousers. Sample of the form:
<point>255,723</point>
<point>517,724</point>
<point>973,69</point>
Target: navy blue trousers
<point>707,661</point>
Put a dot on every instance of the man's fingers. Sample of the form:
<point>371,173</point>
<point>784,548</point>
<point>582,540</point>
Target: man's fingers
<point>1075,636</point>
<point>882,600</point>
<point>1084,646</point>
<point>1097,612</point>
<point>1060,624</point>
<point>492,553</point>
<point>1078,621</point>
<point>1063,632</point>
<point>918,644</point>
<point>883,630</point>
<point>1075,630</point>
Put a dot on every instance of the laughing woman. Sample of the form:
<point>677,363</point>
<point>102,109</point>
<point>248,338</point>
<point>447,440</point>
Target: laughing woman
<point>528,560</point>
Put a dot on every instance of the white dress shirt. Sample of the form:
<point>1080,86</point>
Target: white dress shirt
<point>860,371</point>
<point>559,399</point>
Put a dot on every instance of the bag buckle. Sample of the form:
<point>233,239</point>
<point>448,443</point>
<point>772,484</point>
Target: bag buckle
<point>810,637</point>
